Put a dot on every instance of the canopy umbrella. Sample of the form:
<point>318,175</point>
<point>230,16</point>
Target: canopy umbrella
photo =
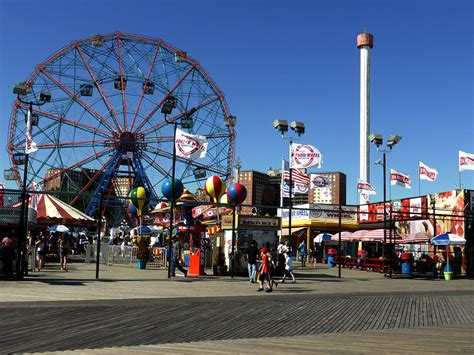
<point>59,228</point>
<point>378,235</point>
<point>322,237</point>
<point>142,230</point>
<point>345,236</point>
<point>448,239</point>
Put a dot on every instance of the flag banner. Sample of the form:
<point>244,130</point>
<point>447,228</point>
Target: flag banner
<point>30,145</point>
<point>304,155</point>
<point>399,178</point>
<point>366,187</point>
<point>34,198</point>
<point>427,173</point>
<point>285,190</point>
<point>318,181</point>
<point>301,188</point>
<point>466,161</point>
<point>190,146</point>
<point>297,177</point>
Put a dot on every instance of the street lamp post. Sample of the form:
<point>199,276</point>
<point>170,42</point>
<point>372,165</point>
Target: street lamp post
<point>378,141</point>
<point>186,122</point>
<point>299,129</point>
<point>20,90</point>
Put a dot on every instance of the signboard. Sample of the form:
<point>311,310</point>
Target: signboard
<point>405,209</point>
<point>321,213</point>
<point>251,222</point>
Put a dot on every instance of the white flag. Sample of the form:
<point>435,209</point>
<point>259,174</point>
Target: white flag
<point>399,178</point>
<point>189,145</point>
<point>303,156</point>
<point>466,161</point>
<point>427,173</point>
<point>366,187</point>
<point>30,145</point>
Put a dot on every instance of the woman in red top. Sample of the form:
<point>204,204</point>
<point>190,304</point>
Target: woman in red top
<point>265,271</point>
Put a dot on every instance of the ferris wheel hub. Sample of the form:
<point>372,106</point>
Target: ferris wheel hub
<point>128,141</point>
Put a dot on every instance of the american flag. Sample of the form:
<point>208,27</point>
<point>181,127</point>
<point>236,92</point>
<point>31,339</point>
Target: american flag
<point>297,177</point>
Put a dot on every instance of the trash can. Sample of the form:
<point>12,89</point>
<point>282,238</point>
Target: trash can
<point>331,257</point>
<point>407,263</point>
<point>448,272</point>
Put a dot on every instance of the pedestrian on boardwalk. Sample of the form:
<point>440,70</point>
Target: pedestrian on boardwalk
<point>64,249</point>
<point>9,245</point>
<point>265,271</point>
<point>252,256</point>
<point>41,247</point>
<point>303,252</point>
<point>314,256</point>
<point>288,268</point>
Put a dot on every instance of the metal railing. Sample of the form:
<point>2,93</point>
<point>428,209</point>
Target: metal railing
<point>125,255</point>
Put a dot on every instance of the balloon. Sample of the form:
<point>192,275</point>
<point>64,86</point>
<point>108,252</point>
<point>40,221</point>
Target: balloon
<point>214,187</point>
<point>177,187</point>
<point>236,193</point>
<point>139,199</point>
<point>132,210</point>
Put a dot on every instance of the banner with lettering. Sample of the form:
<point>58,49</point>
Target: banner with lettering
<point>400,179</point>
<point>427,173</point>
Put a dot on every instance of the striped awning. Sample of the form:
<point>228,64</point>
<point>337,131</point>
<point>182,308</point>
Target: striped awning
<point>52,208</point>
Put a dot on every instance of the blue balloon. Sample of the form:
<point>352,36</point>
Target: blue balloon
<point>166,189</point>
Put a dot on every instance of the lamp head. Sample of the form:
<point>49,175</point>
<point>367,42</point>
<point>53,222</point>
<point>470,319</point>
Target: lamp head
<point>45,96</point>
<point>376,139</point>
<point>392,140</point>
<point>378,162</point>
<point>281,125</point>
<point>297,127</point>
<point>21,89</point>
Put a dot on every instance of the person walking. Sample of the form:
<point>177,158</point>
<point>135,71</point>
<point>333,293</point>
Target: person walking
<point>252,256</point>
<point>9,245</point>
<point>303,252</point>
<point>288,268</point>
<point>64,246</point>
<point>314,256</point>
<point>41,248</point>
<point>265,271</point>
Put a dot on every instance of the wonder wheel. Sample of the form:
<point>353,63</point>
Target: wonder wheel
<point>104,131</point>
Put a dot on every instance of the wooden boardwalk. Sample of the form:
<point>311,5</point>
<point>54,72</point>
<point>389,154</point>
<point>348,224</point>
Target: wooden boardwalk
<point>142,324</point>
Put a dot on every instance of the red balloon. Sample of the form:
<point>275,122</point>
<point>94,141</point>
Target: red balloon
<point>236,193</point>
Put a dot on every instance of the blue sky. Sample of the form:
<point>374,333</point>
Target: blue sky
<point>296,60</point>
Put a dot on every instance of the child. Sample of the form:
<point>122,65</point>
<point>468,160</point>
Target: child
<point>288,268</point>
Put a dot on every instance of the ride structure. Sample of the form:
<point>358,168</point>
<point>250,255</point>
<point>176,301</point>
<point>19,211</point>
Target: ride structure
<point>103,129</point>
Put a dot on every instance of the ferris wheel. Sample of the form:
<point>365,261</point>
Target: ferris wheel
<point>105,119</point>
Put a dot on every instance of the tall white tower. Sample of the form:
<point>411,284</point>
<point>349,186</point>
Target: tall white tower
<point>365,41</point>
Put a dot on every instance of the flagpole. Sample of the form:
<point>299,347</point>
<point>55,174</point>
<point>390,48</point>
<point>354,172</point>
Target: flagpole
<point>281,193</point>
<point>460,182</point>
<point>419,179</point>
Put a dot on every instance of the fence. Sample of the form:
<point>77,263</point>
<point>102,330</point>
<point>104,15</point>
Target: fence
<point>125,255</point>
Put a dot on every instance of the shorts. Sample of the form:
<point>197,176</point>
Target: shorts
<point>264,277</point>
<point>41,252</point>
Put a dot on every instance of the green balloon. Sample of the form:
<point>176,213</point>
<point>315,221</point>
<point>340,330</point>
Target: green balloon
<point>139,199</point>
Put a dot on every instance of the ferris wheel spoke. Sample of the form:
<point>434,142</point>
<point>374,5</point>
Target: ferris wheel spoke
<point>145,120</point>
<point>144,87</point>
<point>89,109</point>
<point>168,155</point>
<point>124,103</point>
<point>154,164</point>
<point>182,114</point>
<point>99,87</point>
<point>71,123</point>
<point>89,183</point>
<point>86,160</point>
